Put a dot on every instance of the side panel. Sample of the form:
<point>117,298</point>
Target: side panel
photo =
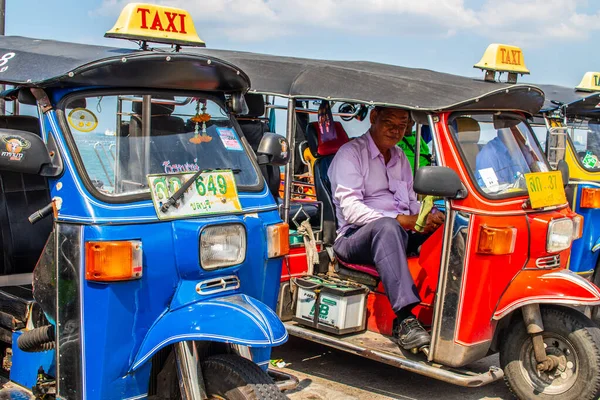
<point>583,256</point>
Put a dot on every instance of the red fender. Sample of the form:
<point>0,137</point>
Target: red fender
<point>547,287</point>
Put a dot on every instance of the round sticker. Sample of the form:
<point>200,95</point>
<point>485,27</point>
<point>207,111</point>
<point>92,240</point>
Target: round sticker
<point>83,120</point>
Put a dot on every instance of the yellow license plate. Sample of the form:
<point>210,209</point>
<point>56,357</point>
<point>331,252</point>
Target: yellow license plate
<point>545,189</point>
<point>213,192</point>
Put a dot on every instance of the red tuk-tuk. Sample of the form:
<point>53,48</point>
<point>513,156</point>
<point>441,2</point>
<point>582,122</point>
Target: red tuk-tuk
<point>492,280</point>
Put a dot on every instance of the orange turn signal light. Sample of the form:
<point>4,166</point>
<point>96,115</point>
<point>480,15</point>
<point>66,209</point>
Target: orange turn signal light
<point>278,240</point>
<point>496,241</point>
<point>113,261</point>
<point>590,198</point>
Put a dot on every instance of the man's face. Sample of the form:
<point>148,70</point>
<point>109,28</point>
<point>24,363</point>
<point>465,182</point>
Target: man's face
<point>388,126</point>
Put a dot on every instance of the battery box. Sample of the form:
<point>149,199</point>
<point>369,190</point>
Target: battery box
<point>342,305</point>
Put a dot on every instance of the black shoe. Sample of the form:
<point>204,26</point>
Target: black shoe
<point>410,334</point>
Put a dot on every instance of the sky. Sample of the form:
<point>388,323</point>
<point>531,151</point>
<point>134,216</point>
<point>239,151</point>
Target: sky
<point>558,37</point>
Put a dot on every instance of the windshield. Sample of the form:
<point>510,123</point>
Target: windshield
<point>499,151</point>
<point>182,134</point>
<point>586,139</point>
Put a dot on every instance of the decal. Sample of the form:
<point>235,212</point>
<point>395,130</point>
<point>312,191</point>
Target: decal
<point>176,168</point>
<point>284,148</point>
<point>489,178</point>
<point>14,146</point>
<point>589,160</point>
<point>230,139</point>
<point>4,60</point>
<point>82,120</point>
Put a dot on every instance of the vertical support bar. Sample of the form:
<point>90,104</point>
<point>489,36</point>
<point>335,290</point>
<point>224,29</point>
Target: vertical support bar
<point>289,168</point>
<point>2,23</point>
<point>146,114</point>
<point>417,148</point>
<point>191,381</point>
<point>117,189</point>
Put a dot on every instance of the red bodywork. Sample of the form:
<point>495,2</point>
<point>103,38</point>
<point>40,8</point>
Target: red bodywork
<point>492,285</point>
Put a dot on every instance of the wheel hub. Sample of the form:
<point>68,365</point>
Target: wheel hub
<point>559,372</point>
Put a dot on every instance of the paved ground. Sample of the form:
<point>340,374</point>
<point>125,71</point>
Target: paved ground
<point>327,374</point>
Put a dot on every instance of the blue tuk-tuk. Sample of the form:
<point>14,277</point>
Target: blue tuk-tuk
<point>154,263</point>
<point>569,127</point>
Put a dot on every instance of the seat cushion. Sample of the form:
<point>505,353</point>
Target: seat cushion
<point>364,268</point>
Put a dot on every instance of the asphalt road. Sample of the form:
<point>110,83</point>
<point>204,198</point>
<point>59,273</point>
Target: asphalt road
<point>328,374</point>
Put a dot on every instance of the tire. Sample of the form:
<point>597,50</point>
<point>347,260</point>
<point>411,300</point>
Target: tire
<point>568,335</point>
<point>233,377</point>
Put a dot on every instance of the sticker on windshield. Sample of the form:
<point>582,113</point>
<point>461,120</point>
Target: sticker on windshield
<point>590,160</point>
<point>83,120</point>
<point>230,139</point>
<point>489,178</point>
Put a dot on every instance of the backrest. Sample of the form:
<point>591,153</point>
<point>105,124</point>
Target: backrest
<point>21,243</point>
<point>254,129</point>
<point>325,153</point>
<point>469,131</point>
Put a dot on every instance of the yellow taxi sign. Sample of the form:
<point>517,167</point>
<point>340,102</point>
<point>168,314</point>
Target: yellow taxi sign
<point>545,189</point>
<point>158,24</point>
<point>590,82</point>
<point>502,58</point>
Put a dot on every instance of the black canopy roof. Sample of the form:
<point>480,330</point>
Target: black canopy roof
<point>48,63</point>
<point>378,84</point>
<point>574,103</point>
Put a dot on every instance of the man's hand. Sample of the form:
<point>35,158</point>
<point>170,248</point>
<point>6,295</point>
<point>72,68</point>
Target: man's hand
<point>434,221</point>
<point>407,221</point>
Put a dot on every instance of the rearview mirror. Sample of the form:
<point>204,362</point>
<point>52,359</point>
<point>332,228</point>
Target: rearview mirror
<point>440,182</point>
<point>273,149</point>
<point>556,145</point>
<point>238,104</point>
<point>24,152</point>
<point>563,167</point>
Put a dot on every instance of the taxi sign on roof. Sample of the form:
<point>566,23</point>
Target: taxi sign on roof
<point>158,24</point>
<point>590,82</point>
<point>503,58</point>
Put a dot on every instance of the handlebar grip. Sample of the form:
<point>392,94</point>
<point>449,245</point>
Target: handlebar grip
<point>41,213</point>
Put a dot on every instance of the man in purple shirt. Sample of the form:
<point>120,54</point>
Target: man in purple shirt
<point>376,209</point>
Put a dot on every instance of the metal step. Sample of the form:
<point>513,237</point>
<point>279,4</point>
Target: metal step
<point>381,348</point>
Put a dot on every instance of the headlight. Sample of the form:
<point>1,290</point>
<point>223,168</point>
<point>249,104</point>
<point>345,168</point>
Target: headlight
<point>222,246</point>
<point>560,235</point>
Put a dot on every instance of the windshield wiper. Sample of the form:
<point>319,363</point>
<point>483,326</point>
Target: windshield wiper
<point>179,194</point>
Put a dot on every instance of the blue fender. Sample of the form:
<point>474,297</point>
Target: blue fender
<point>237,319</point>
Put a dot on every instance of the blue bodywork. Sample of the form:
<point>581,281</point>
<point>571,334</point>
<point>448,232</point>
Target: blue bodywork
<point>125,323</point>
<point>584,252</point>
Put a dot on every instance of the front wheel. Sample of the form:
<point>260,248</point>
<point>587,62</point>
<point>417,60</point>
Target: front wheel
<point>231,377</point>
<point>569,336</point>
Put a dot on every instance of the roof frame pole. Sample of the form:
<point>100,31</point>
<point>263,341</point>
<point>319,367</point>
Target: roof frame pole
<point>417,148</point>
<point>146,114</point>
<point>289,168</point>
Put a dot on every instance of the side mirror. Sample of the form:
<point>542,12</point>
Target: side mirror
<point>273,149</point>
<point>238,104</point>
<point>24,152</point>
<point>440,182</point>
<point>563,167</point>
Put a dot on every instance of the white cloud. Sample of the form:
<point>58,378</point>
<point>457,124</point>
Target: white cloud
<point>514,21</point>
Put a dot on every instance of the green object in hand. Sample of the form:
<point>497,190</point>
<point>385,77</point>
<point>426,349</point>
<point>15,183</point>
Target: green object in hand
<point>426,207</point>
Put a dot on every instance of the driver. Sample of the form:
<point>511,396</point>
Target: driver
<point>376,209</point>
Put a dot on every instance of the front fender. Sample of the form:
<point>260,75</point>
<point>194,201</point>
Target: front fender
<point>237,319</point>
<point>557,287</point>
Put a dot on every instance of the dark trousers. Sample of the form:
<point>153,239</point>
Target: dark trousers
<point>383,243</point>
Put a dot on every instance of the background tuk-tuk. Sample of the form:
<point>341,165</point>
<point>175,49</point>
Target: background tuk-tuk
<point>568,126</point>
<point>492,280</point>
<point>156,252</point>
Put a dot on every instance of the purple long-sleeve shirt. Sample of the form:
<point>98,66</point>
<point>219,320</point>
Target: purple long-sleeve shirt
<point>365,188</point>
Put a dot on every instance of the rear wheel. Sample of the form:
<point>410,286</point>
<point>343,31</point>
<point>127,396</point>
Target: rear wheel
<point>231,377</point>
<point>569,336</point>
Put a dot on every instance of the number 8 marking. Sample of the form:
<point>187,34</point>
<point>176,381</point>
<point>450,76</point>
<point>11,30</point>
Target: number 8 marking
<point>4,59</point>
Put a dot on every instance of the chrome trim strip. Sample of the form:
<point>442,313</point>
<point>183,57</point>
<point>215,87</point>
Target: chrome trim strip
<point>218,285</point>
<point>548,262</point>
